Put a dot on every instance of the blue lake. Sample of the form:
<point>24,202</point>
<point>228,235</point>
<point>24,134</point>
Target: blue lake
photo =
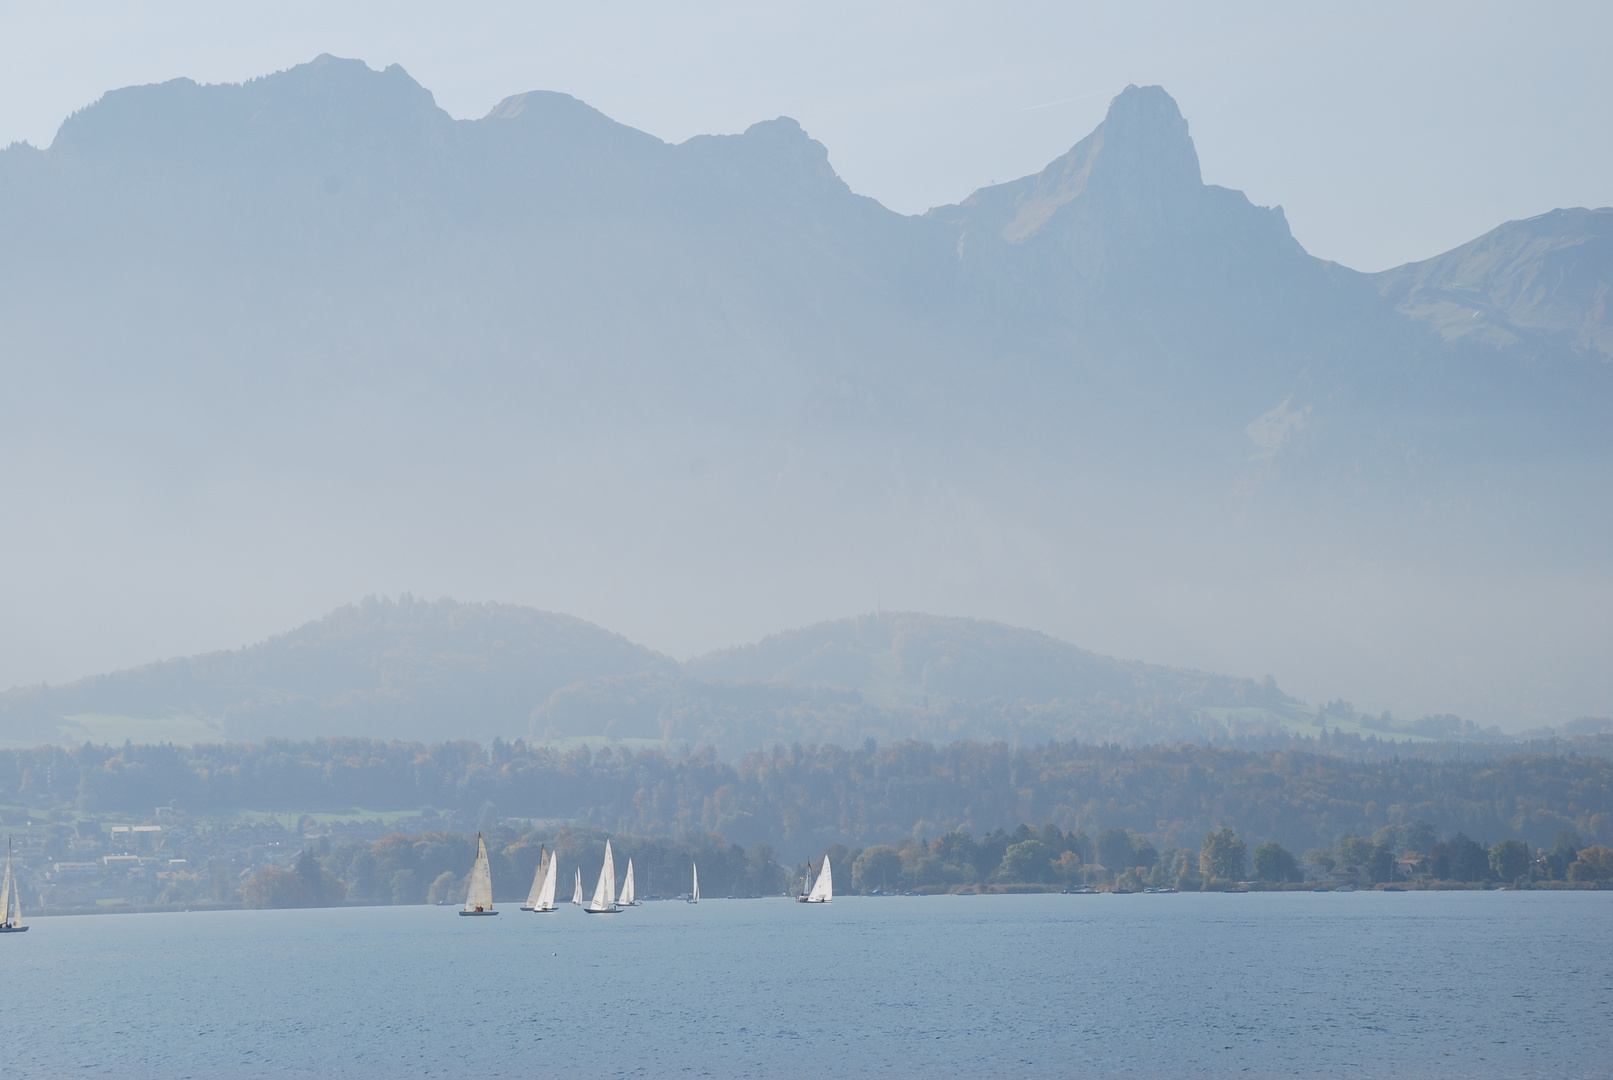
<point>1263,985</point>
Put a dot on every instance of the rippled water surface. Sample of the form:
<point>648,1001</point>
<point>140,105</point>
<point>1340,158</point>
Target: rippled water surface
<point>1289,984</point>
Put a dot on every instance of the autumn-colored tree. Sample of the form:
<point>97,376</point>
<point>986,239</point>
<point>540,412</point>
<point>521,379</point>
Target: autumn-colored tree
<point>307,884</point>
<point>1595,863</point>
<point>1223,856</point>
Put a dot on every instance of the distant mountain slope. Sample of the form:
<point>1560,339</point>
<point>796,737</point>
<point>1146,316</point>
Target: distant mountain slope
<point>1545,284</point>
<point>406,669</point>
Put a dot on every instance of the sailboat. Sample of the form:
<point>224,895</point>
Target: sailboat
<point>10,901</point>
<point>576,896</point>
<point>823,890</point>
<point>537,880</point>
<point>604,901</point>
<point>694,893</point>
<point>546,899</point>
<point>479,900</point>
<point>542,896</point>
<point>627,899</point>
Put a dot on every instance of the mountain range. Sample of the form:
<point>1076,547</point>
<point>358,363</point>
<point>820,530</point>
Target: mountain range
<point>438,671</point>
<point>310,335</point>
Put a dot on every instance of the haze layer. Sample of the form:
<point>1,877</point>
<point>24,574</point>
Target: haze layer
<point>275,344</point>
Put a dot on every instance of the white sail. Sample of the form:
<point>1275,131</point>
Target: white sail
<point>546,893</point>
<point>627,887</point>
<point>6,890</point>
<point>16,904</point>
<point>480,895</point>
<point>605,891</point>
<point>823,890</point>
<point>694,893</point>
<point>576,896</point>
<point>537,879</point>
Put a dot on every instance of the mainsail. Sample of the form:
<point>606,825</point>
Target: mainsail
<point>10,898</point>
<point>823,890</point>
<point>627,887</point>
<point>546,893</point>
<point>694,893</point>
<point>5,890</point>
<point>480,897</point>
<point>605,891</point>
<point>537,880</point>
<point>576,896</point>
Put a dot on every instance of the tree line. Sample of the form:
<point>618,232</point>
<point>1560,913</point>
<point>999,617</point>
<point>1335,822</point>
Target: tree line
<point>1128,861</point>
<point>801,799</point>
<point>433,867</point>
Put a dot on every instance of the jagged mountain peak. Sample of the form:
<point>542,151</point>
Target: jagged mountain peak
<point>345,81</point>
<point>787,144</point>
<point>1144,140</point>
<point>332,98</point>
<point>1140,158</point>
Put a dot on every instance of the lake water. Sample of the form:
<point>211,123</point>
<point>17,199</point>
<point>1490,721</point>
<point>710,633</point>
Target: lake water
<point>1264,985</point>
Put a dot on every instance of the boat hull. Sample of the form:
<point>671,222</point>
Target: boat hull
<point>13,929</point>
<point>602,911</point>
<point>473,914</point>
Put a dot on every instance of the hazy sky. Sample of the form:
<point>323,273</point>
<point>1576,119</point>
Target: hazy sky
<point>1388,132</point>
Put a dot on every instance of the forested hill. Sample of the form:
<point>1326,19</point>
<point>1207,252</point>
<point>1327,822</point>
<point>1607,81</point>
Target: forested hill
<point>440,670</point>
<point>406,669</point>
<point>803,798</point>
<point>907,657</point>
<point>902,675</point>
